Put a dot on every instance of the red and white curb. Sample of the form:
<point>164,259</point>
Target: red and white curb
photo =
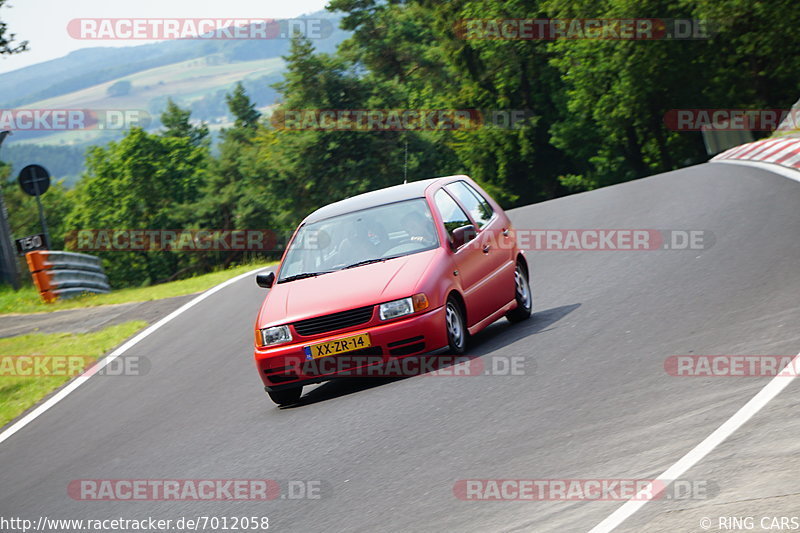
<point>784,151</point>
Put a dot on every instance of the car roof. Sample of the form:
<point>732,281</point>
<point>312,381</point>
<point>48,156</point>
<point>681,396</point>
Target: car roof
<point>396,193</point>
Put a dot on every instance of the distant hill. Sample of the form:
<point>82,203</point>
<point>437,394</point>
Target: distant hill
<point>91,66</point>
<point>63,162</point>
<point>195,73</point>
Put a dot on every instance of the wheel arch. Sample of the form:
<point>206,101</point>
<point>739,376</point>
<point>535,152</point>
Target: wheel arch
<point>460,300</point>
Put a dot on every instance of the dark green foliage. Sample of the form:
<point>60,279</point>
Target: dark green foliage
<point>592,114</point>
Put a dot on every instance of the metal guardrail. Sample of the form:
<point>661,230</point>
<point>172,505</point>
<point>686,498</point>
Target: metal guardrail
<point>66,274</point>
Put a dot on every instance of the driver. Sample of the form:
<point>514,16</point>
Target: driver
<point>419,228</point>
<point>357,245</point>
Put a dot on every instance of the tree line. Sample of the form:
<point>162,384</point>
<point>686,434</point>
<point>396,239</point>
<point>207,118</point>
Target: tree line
<point>592,115</point>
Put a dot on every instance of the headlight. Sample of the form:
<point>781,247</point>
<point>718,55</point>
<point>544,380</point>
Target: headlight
<point>276,335</point>
<point>404,306</point>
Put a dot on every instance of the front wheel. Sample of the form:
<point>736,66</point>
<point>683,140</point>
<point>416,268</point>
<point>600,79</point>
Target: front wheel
<point>286,396</point>
<point>522,290</point>
<point>456,328</point>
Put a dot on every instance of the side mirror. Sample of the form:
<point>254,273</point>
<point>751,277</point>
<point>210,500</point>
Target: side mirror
<point>265,280</point>
<point>462,236</point>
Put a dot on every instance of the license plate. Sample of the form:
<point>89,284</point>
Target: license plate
<point>347,344</point>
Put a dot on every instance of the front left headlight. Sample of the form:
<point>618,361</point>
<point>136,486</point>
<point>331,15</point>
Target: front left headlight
<point>275,335</point>
<point>404,306</point>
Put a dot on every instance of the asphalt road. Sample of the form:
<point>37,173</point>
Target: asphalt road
<point>89,319</point>
<point>595,400</point>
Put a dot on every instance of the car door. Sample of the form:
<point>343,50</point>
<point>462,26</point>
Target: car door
<point>469,259</point>
<point>494,241</point>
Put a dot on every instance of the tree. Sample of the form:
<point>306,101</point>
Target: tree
<point>238,192</point>
<point>312,168</point>
<point>176,122</point>
<point>415,47</point>
<point>139,182</point>
<point>7,39</point>
<point>120,88</point>
<point>23,214</point>
<point>244,111</point>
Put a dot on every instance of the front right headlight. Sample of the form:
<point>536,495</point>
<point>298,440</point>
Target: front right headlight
<point>402,307</point>
<point>275,335</point>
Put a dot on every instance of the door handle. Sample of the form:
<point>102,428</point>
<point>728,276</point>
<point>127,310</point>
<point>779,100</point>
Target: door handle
<point>505,232</point>
<point>486,248</point>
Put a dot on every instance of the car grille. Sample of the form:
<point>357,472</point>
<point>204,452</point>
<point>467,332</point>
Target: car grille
<point>323,324</point>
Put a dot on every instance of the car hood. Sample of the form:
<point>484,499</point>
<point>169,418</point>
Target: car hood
<point>344,289</point>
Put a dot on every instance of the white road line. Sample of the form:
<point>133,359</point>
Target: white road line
<point>748,410</point>
<point>785,171</point>
<point>80,380</point>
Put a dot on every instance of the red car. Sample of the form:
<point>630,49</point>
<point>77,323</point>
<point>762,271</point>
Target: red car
<point>407,270</point>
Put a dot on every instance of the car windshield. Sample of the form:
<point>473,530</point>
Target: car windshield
<point>358,238</point>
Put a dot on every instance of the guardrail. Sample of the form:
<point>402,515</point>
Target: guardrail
<point>66,274</point>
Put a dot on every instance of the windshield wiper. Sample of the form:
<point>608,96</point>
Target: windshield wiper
<point>304,275</point>
<point>367,262</point>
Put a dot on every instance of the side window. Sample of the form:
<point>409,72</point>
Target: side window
<point>452,215</point>
<point>478,207</point>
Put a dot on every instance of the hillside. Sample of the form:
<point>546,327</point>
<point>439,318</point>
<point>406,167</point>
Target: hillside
<point>194,73</point>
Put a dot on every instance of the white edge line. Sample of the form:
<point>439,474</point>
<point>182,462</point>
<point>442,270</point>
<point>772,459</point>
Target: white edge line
<point>80,380</point>
<point>786,172</point>
<point>696,454</point>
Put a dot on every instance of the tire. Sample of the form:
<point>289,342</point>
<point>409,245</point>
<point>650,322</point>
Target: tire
<point>455,327</point>
<point>286,396</point>
<point>523,295</point>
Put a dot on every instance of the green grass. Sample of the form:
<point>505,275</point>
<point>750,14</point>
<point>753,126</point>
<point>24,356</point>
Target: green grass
<point>19,393</point>
<point>27,299</point>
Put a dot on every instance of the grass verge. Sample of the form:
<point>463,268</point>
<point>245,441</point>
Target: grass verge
<point>19,392</point>
<point>27,300</point>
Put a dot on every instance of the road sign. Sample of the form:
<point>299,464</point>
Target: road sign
<point>34,180</point>
<point>29,244</point>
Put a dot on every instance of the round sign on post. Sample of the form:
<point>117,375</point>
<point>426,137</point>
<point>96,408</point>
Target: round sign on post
<point>34,180</point>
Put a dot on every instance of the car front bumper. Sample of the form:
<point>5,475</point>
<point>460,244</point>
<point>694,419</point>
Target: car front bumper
<point>286,366</point>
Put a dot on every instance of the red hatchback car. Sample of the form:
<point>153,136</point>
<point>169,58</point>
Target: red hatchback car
<point>401,271</point>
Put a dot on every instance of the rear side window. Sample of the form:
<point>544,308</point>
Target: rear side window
<point>452,215</point>
<point>478,207</point>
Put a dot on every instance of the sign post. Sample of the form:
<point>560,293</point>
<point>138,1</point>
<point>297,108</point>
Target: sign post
<point>8,262</point>
<point>35,180</point>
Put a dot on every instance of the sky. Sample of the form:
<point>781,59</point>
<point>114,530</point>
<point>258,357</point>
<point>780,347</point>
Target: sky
<point>43,23</point>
